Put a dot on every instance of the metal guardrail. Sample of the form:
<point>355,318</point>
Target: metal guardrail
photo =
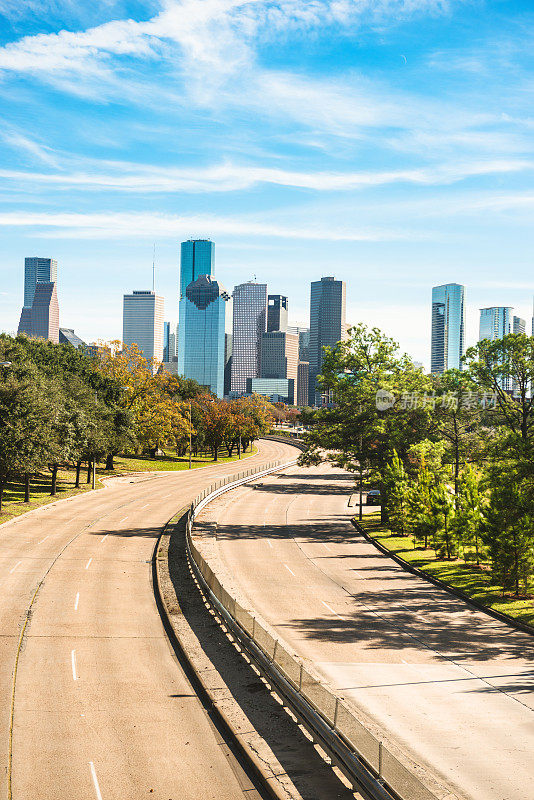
<point>364,760</point>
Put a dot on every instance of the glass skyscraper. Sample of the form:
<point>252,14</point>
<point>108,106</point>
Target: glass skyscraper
<point>327,326</point>
<point>448,327</point>
<point>197,257</point>
<point>249,324</point>
<point>142,323</point>
<point>496,322</point>
<point>37,270</point>
<point>205,318</point>
<point>276,313</point>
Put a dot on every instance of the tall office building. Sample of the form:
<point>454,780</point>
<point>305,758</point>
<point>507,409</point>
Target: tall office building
<point>518,325</point>
<point>495,322</point>
<point>303,387</point>
<point>166,342</point>
<point>142,323</point>
<point>327,326</point>
<point>67,336</point>
<point>276,313</point>
<point>40,313</point>
<point>448,327</point>
<point>197,257</point>
<point>249,323</point>
<point>280,358</point>
<point>37,270</point>
<point>45,312</point>
<point>205,319</point>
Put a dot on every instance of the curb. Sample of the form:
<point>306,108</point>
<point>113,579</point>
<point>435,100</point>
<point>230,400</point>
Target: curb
<point>161,576</point>
<point>524,627</point>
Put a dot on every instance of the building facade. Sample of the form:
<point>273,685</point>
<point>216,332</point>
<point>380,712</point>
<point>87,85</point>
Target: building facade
<point>448,327</point>
<point>518,325</point>
<point>197,257</point>
<point>37,270</point>
<point>303,383</point>
<point>142,322</point>
<point>67,336</point>
<point>277,310</point>
<point>496,322</point>
<point>278,390</point>
<point>249,324</point>
<point>280,357</point>
<point>327,327</point>
<point>45,312</point>
<point>205,319</point>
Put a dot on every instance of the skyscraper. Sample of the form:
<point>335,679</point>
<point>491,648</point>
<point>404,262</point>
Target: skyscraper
<point>197,257</point>
<point>67,336</point>
<point>280,357</point>
<point>303,388</point>
<point>327,326</point>
<point>205,318</point>
<point>518,325</point>
<point>40,313</point>
<point>448,327</point>
<point>495,322</point>
<point>37,270</point>
<point>249,323</point>
<point>45,312</point>
<point>276,313</point>
<point>142,322</point>
<point>166,341</point>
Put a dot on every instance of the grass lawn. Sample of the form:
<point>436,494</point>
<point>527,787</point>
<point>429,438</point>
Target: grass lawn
<point>474,581</point>
<point>14,504</point>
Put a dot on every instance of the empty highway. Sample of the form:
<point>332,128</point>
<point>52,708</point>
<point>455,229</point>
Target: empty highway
<point>450,686</point>
<point>101,709</point>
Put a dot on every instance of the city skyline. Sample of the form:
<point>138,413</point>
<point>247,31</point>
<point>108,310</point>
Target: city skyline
<point>366,144</point>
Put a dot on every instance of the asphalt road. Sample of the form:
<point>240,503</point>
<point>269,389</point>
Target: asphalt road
<point>450,685</point>
<point>102,708</point>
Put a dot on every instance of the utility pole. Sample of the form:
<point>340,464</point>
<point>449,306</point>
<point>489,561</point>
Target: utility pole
<point>190,434</point>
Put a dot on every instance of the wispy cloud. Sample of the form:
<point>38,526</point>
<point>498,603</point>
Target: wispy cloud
<point>38,152</point>
<point>118,225</point>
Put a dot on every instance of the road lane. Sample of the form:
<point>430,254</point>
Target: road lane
<point>97,683</point>
<point>450,686</point>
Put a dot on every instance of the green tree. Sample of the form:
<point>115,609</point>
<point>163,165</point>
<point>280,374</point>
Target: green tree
<point>397,485</point>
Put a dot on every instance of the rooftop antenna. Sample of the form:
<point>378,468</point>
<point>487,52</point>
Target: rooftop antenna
<point>154,267</point>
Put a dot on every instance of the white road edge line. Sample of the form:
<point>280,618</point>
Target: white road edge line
<point>73,662</point>
<point>95,780</point>
<point>44,540</point>
<point>289,569</point>
<point>77,601</point>
<point>15,567</point>
<point>331,609</point>
<point>145,506</point>
<point>88,563</point>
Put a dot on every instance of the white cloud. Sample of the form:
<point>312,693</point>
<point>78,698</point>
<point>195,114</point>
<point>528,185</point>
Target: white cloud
<point>128,225</point>
<point>143,178</point>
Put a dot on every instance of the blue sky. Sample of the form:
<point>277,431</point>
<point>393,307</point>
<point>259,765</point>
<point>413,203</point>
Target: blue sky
<point>386,142</point>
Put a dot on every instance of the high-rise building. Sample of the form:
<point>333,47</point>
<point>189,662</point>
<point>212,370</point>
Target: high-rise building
<point>304,341</point>
<point>276,313</point>
<point>249,324</point>
<point>197,257</point>
<point>327,326</point>
<point>40,315</point>
<point>518,325</point>
<point>278,390</point>
<point>37,270</point>
<point>495,322</point>
<point>205,319</point>
<point>166,342</point>
<point>303,389</point>
<point>142,323</point>
<point>280,357</point>
<point>45,312</point>
<point>448,327</point>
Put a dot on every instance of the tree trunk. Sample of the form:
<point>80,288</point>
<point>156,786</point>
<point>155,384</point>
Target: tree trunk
<point>447,544</point>
<point>27,487</point>
<point>216,452</point>
<point>53,491</point>
<point>109,461</point>
<point>1,493</point>
<point>78,470</point>
<point>89,472</point>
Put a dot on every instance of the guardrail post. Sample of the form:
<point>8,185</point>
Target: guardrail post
<point>274,651</point>
<point>300,679</point>
<point>335,712</point>
<point>380,746</point>
<point>254,628</point>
